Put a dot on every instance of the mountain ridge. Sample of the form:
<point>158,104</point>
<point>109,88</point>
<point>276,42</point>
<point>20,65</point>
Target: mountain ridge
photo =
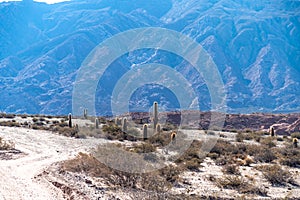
<point>254,46</point>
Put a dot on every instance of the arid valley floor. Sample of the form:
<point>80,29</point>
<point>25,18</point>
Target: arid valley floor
<point>42,158</point>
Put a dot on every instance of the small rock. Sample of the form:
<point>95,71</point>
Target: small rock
<point>88,181</point>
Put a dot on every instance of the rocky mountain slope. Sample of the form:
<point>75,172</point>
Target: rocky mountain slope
<point>255,46</point>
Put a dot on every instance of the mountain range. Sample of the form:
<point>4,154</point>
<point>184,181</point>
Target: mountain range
<point>254,44</point>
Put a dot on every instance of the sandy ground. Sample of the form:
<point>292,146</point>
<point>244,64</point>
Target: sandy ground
<point>41,148</point>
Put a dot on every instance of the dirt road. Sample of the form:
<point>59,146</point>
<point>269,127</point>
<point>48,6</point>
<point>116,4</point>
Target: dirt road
<point>41,149</point>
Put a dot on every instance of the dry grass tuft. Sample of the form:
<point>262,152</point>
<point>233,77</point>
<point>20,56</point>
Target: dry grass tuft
<point>6,145</point>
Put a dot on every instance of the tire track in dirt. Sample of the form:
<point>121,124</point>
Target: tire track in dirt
<point>42,148</point>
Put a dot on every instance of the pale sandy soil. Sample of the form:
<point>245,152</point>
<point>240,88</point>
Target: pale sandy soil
<point>41,148</point>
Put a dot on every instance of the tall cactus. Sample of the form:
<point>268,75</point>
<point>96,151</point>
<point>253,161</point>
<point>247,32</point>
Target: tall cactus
<point>97,123</point>
<point>272,131</point>
<point>124,124</point>
<point>85,113</point>
<point>173,137</point>
<point>145,131</point>
<point>295,142</point>
<point>155,115</point>
<point>70,120</point>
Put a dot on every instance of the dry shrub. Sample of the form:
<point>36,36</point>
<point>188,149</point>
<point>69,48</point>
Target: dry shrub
<point>37,127</point>
<point>10,124</point>
<point>231,182</point>
<point>268,142</point>
<point>227,152</point>
<point>213,156</point>
<point>223,160</point>
<point>295,135</point>
<point>261,153</point>
<point>170,173</point>
<point>266,156</point>
<point>111,128</point>
<point>6,145</point>
<point>143,148</point>
<point>114,132</point>
<point>23,116</point>
<point>231,169</point>
<point>161,139</point>
<point>280,139</point>
<point>290,156</point>
<point>7,116</point>
<point>222,147</point>
<point>68,132</point>
<point>254,149</point>
<point>191,158</point>
<point>252,189</point>
<point>239,137</point>
<point>276,175</point>
<point>157,181</point>
<point>240,184</point>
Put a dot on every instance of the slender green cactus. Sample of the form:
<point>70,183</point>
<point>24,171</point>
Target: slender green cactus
<point>70,120</point>
<point>145,131</point>
<point>124,124</point>
<point>85,113</point>
<point>97,123</point>
<point>295,142</point>
<point>155,114</point>
<point>158,128</point>
<point>272,131</point>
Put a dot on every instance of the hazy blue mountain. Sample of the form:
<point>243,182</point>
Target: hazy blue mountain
<point>255,46</point>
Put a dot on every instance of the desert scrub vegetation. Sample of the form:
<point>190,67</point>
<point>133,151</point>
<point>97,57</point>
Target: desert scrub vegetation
<point>159,181</point>
<point>241,184</point>
<point>113,132</point>
<point>276,175</point>
<point>143,148</point>
<point>11,123</point>
<point>6,145</point>
<point>250,135</point>
<point>7,116</point>
<point>289,156</point>
<point>269,142</point>
<point>225,153</point>
<point>191,158</point>
<point>231,169</point>
<point>295,135</point>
